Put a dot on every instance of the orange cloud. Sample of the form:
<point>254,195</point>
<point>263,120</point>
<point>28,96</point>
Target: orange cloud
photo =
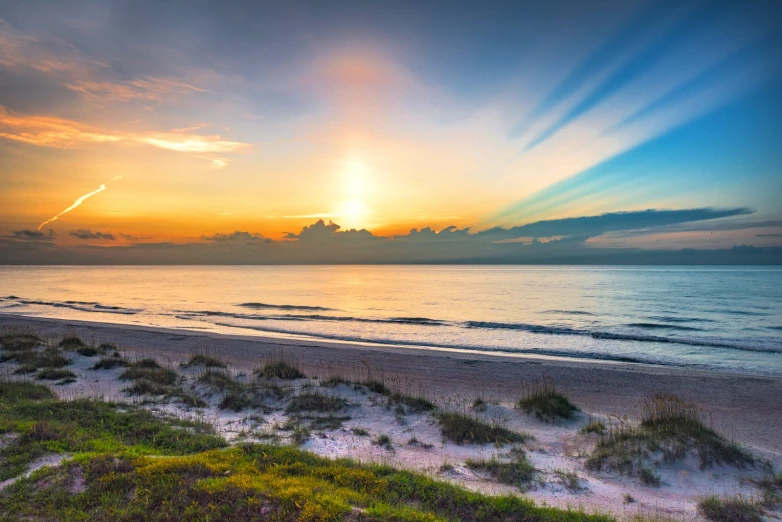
<point>51,131</point>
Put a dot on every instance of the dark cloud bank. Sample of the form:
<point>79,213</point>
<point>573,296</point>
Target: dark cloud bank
<point>560,241</point>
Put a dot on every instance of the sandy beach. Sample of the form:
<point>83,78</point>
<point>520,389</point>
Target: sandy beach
<point>745,409</point>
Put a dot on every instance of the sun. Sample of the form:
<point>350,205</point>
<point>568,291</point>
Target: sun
<point>353,210</point>
<point>352,214</point>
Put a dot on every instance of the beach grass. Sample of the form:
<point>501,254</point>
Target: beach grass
<point>542,400</point>
<point>280,369</point>
<point>729,509</point>
<point>55,374</point>
<point>461,429</point>
<point>108,363</point>
<point>154,374</point>
<point>314,401</point>
<point>518,471</point>
<point>672,428</point>
<point>204,360</point>
<point>15,339</point>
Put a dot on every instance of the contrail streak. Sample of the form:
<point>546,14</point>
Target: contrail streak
<point>77,203</point>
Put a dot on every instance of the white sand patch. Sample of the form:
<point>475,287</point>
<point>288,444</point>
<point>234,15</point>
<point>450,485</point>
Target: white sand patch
<point>52,460</point>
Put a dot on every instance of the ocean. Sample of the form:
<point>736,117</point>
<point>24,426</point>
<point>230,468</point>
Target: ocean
<point>719,318</point>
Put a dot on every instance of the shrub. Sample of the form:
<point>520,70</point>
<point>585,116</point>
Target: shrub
<point>461,428</point>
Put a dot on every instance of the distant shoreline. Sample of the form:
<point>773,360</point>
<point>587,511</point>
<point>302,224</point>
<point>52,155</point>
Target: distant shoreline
<point>743,406</point>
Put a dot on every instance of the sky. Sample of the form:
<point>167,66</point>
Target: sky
<point>250,131</point>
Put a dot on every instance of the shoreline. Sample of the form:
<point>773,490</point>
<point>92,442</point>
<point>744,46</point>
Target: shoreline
<point>744,407</point>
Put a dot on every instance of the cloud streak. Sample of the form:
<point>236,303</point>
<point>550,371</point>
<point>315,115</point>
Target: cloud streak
<point>76,203</point>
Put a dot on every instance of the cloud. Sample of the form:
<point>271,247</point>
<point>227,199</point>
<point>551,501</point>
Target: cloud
<point>145,89</point>
<point>591,226</point>
<point>768,235</point>
<point>428,234</point>
<point>86,233</point>
<point>132,237</point>
<point>51,131</point>
<point>326,242</point>
<point>320,231</point>
<point>34,235</point>
<point>237,236</point>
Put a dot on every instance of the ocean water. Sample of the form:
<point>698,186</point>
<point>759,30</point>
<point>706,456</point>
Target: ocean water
<point>719,318</point>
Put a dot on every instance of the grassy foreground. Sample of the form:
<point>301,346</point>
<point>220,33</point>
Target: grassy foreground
<point>126,464</point>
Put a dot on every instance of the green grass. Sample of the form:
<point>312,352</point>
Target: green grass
<point>729,509</point>
<point>518,472</point>
<point>281,370</point>
<point>258,482</point>
<point>542,400</point>
<point>672,429</point>
<point>12,392</point>
<point>47,425</point>
<point>313,401</point>
<point>463,429</point>
<point>55,374</point>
